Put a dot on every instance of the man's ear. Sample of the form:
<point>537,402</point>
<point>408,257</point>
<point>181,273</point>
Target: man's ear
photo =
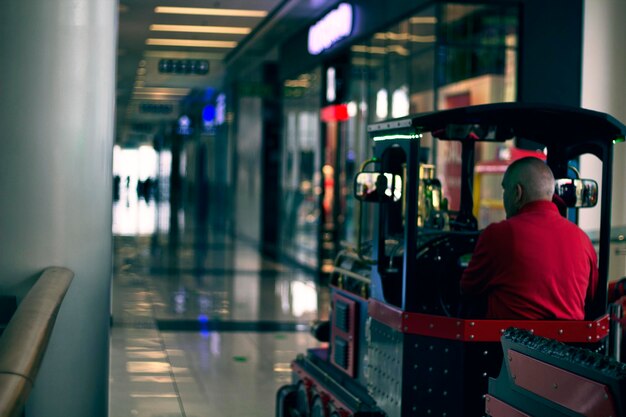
<point>519,193</point>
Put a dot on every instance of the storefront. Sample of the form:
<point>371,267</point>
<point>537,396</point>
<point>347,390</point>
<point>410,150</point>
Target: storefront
<point>395,59</point>
<point>402,69</point>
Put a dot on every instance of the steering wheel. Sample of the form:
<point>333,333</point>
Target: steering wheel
<point>440,262</point>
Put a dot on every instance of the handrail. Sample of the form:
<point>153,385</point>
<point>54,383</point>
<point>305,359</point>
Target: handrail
<point>25,339</point>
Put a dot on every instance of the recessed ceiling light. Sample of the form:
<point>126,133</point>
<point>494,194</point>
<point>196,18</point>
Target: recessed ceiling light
<point>201,29</point>
<point>191,42</point>
<point>154,97</point>
<point>427,20</point>
<point>177,54</point>
<point>211,12</point>
<point>162,90</point>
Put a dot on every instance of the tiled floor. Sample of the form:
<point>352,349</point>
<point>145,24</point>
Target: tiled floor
<point>202,324</point>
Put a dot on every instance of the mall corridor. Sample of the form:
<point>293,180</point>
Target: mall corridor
<point>202,324</point>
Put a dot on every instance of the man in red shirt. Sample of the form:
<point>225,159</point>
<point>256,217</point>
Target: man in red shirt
<point>535,264</point>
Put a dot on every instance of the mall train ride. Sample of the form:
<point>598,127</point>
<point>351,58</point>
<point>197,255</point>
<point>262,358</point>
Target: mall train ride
<point>401,339</point>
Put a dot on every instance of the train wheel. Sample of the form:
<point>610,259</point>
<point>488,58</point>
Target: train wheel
<point>303,406</point>
<point>318,409</point>
<point>286,399</point>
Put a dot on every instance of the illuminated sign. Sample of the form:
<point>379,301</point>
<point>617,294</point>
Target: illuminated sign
<point>156,108</point>
<point>184,66</point>
<point>332,28</point>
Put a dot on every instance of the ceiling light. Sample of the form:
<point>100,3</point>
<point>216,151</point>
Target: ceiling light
<point>154,97</point>
<point>211,12</point>
<point>391,36</point>
<point>201,29</point>
<point>162,90</point>
<point>429,20</point>
<point>170,54</point>
<point>191,42</point>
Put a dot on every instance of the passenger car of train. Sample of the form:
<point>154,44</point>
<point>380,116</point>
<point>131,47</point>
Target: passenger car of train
<point>401,339</point>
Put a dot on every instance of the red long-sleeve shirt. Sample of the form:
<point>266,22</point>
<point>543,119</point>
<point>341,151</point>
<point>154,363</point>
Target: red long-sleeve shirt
<point>535,265</point>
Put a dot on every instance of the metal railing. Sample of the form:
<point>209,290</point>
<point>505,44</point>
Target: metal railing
<point>25,339</point>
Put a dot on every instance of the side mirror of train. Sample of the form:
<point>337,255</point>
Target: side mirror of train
<point>577,192</point>
<point>370,186</point>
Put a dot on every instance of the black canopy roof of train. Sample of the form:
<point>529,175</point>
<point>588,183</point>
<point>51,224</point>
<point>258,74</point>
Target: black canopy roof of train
<point>545,123</point>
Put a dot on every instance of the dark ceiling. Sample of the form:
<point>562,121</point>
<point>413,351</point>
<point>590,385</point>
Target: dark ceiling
<point>147,96</point>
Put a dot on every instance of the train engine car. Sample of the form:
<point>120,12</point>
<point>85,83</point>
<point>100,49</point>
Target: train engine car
<point>402,341</point>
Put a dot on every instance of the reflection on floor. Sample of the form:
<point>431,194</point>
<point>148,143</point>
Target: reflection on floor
<point>202,324</point>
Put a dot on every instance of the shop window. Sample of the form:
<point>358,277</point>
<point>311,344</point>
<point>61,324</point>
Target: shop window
<point>301,167</point>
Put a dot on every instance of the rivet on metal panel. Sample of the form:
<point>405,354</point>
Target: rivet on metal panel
<point>513,376</point>
<point>485,353</point>
<point>406,316</point>
<point>431,347</point>
<point>484,374</point>
<point>560,331</point>
<point>417,345</point>
<point>532,331</point>
<point>501,331</point>
<point>471,336</point>
<point>458,336</point>
<point>555,385</point>
<point>445,393</point>
<point>406,328</point>
<point>446,350</point>
<point>430,369</point>
<point>510,358</point>
<point>589,325</point>
<point>430,326</point>
<point>606,396</point>
<point>414,387</point>
<point>589,337</point>
<point>458,323</point>
<point>430,390</point>
<point>472,323</point>
<point>428,411</point>
<point>445,371</point>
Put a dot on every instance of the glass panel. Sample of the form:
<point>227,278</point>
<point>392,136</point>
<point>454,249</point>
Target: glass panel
<point>444,56</point>
<point>301,168</point>
<point>477,65</point>
<point>423,28</point>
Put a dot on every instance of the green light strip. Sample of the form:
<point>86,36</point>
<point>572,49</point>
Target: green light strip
<point>619,140</point>
<point>391,137</point>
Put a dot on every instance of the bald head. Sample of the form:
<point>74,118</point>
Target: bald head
<point>526,180</point>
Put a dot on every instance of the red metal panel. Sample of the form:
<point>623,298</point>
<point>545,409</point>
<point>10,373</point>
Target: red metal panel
<point>386,314</point>
<point>562,387</point>
<point>571,331</point>
<point>496,408</point>
<point>349,336</point>
<point>468,330</point>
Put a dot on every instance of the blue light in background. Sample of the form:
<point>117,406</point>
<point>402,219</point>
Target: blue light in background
<point>203,321</point>
<point>208,114</point>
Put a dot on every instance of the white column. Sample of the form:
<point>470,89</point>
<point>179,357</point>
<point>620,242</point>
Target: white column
<point>57,89</point>
<point>604,89</point>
